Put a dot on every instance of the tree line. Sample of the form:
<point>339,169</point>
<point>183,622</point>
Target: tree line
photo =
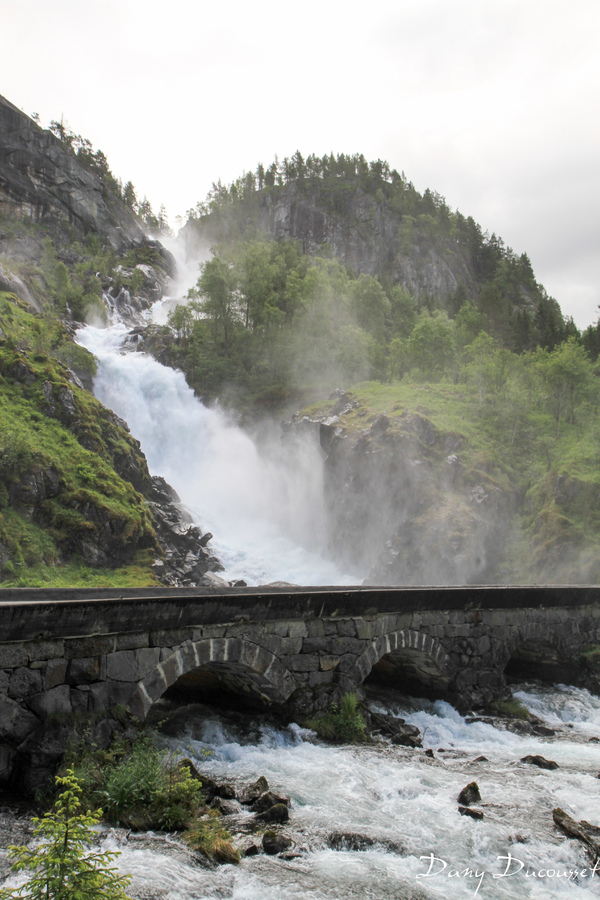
<point>265,320</point>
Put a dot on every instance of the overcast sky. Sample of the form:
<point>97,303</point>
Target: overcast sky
<point>493,103</point>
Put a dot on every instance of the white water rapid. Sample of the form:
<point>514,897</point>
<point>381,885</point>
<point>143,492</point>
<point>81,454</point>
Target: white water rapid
<point>406,803</point>
<point>262,501</point>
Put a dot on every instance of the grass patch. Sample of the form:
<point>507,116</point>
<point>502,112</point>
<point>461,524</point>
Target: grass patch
<point>514,709</point>
<point>344,724</point>
<point>137,785</point>
<point>208,836</point>
<point>60,492</point>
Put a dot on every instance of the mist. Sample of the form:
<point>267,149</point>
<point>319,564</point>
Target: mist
<point>262,500</point>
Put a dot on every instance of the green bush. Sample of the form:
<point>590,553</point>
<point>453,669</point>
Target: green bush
<point>139,786</point>
<point>343,723</point>
<point>61,865</point>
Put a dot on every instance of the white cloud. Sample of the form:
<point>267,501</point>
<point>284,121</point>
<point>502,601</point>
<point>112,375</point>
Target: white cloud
<point>492,104</point>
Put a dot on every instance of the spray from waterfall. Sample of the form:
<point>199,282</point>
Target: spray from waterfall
<point>262,500</point>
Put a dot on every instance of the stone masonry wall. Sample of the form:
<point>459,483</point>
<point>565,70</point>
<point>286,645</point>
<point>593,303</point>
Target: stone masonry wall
<point>302,663</point>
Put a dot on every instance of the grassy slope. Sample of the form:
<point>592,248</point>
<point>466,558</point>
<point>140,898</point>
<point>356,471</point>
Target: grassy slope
<point>42,542</point>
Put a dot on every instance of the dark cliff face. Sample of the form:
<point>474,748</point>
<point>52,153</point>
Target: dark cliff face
<point>42,181</point>
<point>402,508</point>
<point>362,230</point>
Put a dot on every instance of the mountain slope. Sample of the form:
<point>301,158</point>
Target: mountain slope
<point>375,222</point>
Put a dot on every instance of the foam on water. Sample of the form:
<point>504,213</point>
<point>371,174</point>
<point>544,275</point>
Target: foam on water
<point>404,799</point>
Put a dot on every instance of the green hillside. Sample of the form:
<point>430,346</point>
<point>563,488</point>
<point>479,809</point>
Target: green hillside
<point>66,515</point>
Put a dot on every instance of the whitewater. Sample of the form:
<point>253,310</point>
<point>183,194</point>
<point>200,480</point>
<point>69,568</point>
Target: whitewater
<point>264,504</point>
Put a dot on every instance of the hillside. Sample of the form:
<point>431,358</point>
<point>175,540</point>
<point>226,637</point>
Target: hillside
<point>374,221</point>
<point>429,484</point>
<point>77,503</point>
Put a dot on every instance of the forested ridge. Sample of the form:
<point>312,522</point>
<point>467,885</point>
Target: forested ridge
<point>270,315</point>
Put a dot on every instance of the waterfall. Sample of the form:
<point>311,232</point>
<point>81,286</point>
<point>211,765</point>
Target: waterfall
<point>263,501</point>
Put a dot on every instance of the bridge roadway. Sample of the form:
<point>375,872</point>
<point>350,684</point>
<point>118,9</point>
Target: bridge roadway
<point>297,649</point>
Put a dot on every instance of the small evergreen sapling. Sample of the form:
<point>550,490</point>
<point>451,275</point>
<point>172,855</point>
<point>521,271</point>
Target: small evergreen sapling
<point>61,866</point>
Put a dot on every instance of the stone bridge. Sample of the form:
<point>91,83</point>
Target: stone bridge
<point>295,650</point>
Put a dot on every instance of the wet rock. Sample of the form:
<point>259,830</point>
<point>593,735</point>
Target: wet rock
<point>354,841</point>
<point>274,815</point>
<point>186,562</point>
<point>469,794</point>
<point>539,761</point>
<point>267,800</point>
<point>350,840</point>
<point>472,813</point>
<point>225,807</point>
<point>408,736</point>
<point>253,791</point>
<point>273,843</point>
<point>226,791</point>
<point>429,753</point>
<point>481,759</point>
<point>250,850</point>
<point>588,834</point>
<point>209,579</point>
<point>400,732</point>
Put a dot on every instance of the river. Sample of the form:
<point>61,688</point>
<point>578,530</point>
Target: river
<point>264,504</point>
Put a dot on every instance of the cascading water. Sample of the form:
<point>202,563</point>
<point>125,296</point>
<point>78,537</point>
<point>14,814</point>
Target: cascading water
<point>266,512</point>
<point>402,805</point>
<point>265,508</point>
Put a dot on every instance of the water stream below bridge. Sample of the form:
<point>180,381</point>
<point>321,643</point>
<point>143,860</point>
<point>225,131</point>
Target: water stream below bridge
<point>267,516</point>
<point>401,807</point>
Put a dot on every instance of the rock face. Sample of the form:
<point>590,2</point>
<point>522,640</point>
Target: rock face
<point>361,230</point>
<point>401,506</point>
<point>42,181</point>
<point>186,558</point>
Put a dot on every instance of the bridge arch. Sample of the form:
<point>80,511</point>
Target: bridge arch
<point>405,655</point>
<point>539,651</point>
<point>241,663</point>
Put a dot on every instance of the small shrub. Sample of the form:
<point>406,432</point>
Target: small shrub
<point>139,786</point>
<point>209,837</point>
<point>345,723</point>
<point>61,865</point>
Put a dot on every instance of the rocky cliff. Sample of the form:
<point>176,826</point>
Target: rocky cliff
<point>405,504</point>
<point>41,180</point>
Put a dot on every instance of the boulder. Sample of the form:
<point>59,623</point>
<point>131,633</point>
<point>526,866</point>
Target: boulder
<point>540,761</point>
<point>267,800</point>
<point>273,843</point>
<point>275,814</point>
<point>469,794</point>
<point>253,791</point>
<point>225,807</point>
